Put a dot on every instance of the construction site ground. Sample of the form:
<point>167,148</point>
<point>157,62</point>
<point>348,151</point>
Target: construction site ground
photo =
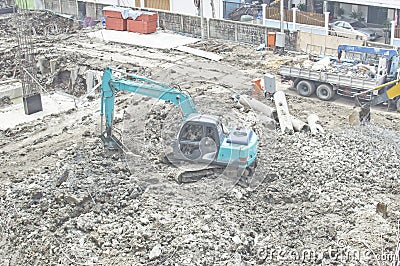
<point>332,198</point>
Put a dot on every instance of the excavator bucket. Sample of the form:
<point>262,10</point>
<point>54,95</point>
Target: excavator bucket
<point>361,114</point>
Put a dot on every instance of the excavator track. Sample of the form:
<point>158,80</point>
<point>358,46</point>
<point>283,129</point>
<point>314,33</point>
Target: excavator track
<point>191,176</point>
<point>190,172</point>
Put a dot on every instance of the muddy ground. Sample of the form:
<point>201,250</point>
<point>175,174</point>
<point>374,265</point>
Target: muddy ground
<point>327,199</point>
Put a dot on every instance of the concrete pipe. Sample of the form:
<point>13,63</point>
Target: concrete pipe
<point>299,126</point>
<point>258,106</point>
<point>313,124</point>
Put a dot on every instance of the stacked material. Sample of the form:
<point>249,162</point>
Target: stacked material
<point>116,17</point>
<point>327,64</point>
<point>122,19</point>
<point>145,23</point>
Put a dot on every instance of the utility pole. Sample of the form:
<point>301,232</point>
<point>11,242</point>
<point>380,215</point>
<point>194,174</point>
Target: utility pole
<point>202,18</point>
<point>282,14</point>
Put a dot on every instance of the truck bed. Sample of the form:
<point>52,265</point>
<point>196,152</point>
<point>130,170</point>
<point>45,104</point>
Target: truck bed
<point>324,77</point>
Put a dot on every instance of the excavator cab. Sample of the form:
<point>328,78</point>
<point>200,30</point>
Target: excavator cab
<point>200,138</point>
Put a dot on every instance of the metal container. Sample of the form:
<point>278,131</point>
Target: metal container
<point>269,84</point>
<point>280,40</point>
<point>32,103</point>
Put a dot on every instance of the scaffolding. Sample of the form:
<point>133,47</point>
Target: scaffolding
<point>26,60</point>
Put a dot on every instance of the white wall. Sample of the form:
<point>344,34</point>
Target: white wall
<point>187,7</point>
<point>113,2</point>
<point>381,3</point>
<point>178,6</point>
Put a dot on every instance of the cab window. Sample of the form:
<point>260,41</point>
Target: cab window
<point>192,132</point>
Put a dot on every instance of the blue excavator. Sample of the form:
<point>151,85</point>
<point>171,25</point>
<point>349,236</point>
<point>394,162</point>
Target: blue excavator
<point>202,139</point>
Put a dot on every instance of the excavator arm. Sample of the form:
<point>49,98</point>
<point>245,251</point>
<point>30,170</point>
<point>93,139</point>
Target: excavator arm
<point>139,85</point>
<point>363,115</point>
<point>390,93</point>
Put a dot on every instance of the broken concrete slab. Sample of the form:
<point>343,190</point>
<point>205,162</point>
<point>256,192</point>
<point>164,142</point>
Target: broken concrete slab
<point>14,115</point>
<point>161,40</point>
<point>198,52</point>
<point>11,88</point>
<point>284,117</point>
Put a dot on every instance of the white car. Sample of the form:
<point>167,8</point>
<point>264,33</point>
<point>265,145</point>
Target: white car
<point>354,29</point>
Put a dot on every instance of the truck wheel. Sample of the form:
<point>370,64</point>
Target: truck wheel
<point>305,88</point>
<point>325,92</point>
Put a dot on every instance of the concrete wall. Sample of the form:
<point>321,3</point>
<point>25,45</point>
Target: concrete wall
<point>177,6</point>
<point>323,42</point>
<point>69,6</point>
<point>218,28</point>
<point>188,24</point>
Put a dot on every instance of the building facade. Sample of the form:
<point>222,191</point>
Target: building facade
<point>212,8</point>
<point>378,12</point>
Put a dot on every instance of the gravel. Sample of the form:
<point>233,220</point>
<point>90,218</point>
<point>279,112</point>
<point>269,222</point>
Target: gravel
<point>332,198</point>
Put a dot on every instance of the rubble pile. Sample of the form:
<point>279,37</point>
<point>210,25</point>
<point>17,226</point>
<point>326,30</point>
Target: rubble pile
<point>327,64</point>
<point>9,61</point>
<point>4,101</point>
<point>243,56</point>
<point>42,23</point>
<point>64,199</point>
<point>85,206</point>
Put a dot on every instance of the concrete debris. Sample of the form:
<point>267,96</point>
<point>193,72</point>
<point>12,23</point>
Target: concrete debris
<point>321,64</point>
<point>43,65</point>
<point>298,125</point>
<point>354,117</point>
<point>198,52</point>
<point>65,200</point>
<point>315,128</point>
<point>381,208</point>
<point>332,65</point>
<point>155,252</point>
<point>5,100</point>
<point>257,106</point>
<point>43,23</point>
<point>284,117</point>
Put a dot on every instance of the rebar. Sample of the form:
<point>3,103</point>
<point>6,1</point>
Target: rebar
<point>26,51</point>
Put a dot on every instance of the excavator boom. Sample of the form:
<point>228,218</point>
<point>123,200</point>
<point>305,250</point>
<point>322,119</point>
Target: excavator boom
<point>139,85</point>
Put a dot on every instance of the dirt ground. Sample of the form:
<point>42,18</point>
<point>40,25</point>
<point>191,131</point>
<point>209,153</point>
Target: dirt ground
<point>325,199</point>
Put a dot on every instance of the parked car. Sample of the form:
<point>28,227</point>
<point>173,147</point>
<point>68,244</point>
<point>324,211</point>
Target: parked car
<point>353,29</point>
